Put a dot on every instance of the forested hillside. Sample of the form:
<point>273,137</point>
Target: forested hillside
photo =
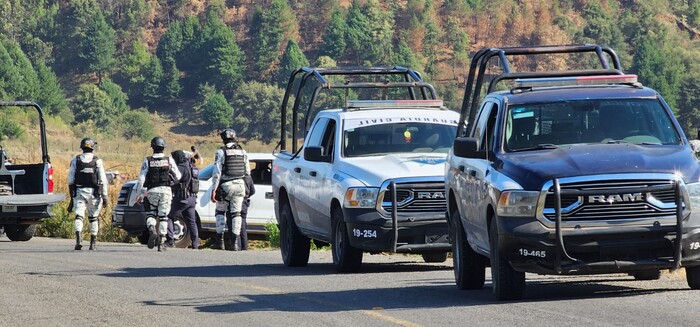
<point>106,66</point>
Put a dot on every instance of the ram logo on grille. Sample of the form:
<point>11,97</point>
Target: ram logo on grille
<point>616,198</point>
<point>431,195</point>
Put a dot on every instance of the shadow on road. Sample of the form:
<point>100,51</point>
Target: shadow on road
<point>262,270</point>
<point>431,293</point>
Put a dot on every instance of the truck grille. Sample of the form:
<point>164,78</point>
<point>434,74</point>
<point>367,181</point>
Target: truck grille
<point>124,194</point>
<point>613,201</point>
<point>417,198</point>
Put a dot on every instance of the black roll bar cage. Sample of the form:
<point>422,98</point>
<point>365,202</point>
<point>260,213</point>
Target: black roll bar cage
<point>480,60</point>
<point>413,82</point>
<point>42,124</point>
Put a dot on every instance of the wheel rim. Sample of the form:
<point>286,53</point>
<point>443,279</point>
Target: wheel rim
<point>179,230</point>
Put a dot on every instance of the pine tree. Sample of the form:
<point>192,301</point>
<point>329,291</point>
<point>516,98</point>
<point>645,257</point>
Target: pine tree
<point>51,96</point>
<point>291,60</point>
<point>457,38</point>
<point>25,85</point>
<point>152,90</point>
<point>171,83</point>
<point>97,48</point>
<point>224,63</point>
<point>334,37</point>
<point>269,28</point>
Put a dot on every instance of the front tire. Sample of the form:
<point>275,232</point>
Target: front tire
<point>295,247</point>
<point>20,233</point>
<point>692,275</point>
<point>508,284</point>
<point>469,266</point>
<point>346,258</point>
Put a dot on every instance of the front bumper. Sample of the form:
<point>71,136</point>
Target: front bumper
<point>370,231</point>
<point>618,247</point>
<point>130,219</point>
<point>531,247</point>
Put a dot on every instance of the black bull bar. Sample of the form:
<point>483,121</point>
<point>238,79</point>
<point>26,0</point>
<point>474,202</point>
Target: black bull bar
<point>579,264</point>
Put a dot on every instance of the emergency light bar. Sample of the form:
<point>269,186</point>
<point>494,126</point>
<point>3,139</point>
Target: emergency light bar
<point>580,80</point>
<point>394,104</point>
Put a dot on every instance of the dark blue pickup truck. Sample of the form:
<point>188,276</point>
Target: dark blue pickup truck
<point>569,172</point>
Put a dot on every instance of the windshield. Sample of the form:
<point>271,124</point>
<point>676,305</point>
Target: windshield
<point>545,125</point>
<point>399,138</point>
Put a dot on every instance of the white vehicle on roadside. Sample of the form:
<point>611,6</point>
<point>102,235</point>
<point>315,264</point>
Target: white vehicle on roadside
<point>130,216</point>
<point>369,177</point>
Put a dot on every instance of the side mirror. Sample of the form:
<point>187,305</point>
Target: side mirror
<point>695,146</point>
<point>315,154</point>
<point>468,147</point>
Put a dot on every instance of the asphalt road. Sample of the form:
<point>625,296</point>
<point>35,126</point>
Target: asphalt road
<point>46,283</point>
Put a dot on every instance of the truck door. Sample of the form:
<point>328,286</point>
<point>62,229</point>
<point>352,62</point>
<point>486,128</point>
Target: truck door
<point>474,194</point>
<point>320,174</point>
<point>305,176</point>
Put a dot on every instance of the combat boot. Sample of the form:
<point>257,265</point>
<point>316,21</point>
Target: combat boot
<point>161,244</point>
<point>92,242</point>
<point>152,237</point>
<point>78,240</point>
<point>236,242</point>
<point>218,242</point>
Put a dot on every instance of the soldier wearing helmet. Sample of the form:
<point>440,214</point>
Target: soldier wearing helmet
<point>158,173</point>
<point>230,168</point>
<point>87,185</point>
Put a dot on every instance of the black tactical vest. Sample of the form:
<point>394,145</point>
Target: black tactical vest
<point>86,173</point>
<point>234,163</point>
<point>158,172</point>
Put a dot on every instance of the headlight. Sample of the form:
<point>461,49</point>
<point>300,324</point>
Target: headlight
<point>518,204</point>
<point>693,190</point>
<point>361,197</point>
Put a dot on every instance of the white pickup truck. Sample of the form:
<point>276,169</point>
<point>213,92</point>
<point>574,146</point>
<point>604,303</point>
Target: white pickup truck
<point>27,188</point>
<point>368,178</point>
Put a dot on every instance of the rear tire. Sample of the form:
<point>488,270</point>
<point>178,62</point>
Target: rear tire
<point>692,275</point>
<point>508,284</point>
<point>435,257</point>
<point>181,232</point>
<point>20,233</point>
<point>647,275</point>
<point>346,258</point>
<point>295,247</point>
<point>469,266</point>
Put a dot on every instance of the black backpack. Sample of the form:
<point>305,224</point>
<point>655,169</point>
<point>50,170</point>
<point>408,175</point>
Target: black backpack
<point>194,181</point>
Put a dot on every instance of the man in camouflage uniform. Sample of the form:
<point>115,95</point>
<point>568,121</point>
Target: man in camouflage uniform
<point>158,174</point>
<point>87,185</point>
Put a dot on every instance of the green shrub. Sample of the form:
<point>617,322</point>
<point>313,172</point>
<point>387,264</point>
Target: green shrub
<point>10,129</point>
<point>137,124</point>
<point>273,235</point>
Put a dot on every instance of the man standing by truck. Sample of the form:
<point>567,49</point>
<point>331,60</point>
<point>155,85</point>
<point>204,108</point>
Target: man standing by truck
<point>158,173</point>
<point>87,184</point>
<point>231,166</point>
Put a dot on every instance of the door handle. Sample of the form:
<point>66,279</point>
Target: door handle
<point>472,172</point>
<point>312,173</point>
<point>461,168</point>
<point>297,169</point>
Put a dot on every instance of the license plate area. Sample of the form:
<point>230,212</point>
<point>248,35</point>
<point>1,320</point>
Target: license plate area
<point>9,208</point>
